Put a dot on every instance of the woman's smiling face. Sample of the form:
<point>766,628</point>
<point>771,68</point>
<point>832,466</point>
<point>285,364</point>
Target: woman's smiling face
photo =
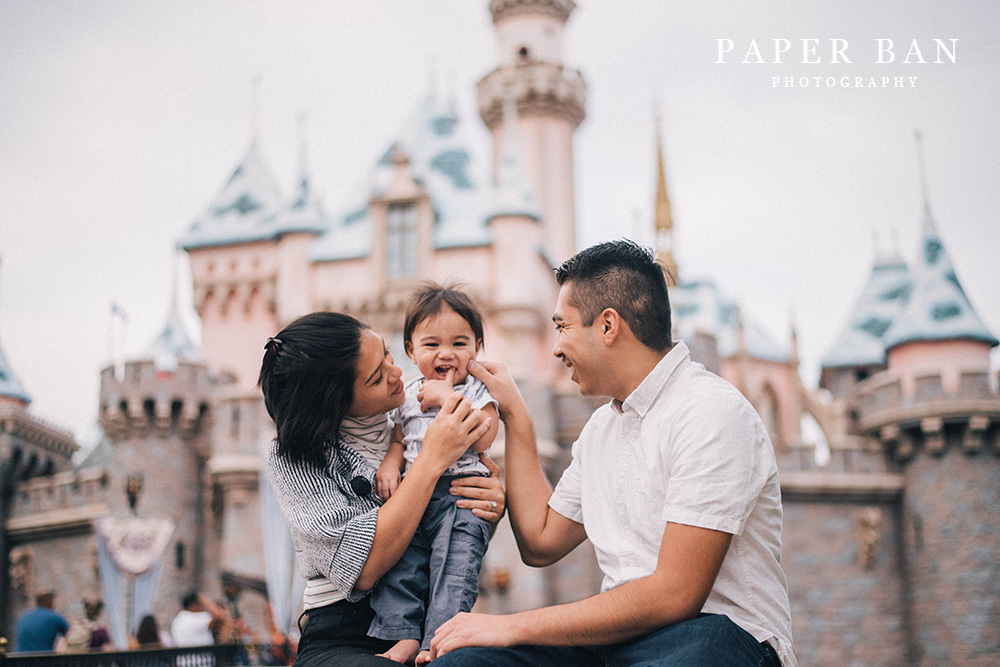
<point>378,386</point>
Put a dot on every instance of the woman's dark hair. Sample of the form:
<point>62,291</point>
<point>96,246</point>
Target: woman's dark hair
<point>307,377</point>
<point>428,301</point>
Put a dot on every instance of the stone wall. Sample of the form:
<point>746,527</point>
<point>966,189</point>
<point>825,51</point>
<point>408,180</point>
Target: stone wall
<point>843,565</point>
<point>952,539</point>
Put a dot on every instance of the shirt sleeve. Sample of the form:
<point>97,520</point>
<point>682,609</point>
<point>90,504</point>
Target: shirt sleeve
<point>333,528</point>
<point>477,393</point>
<point>715,462</point>
<point>566,498</point>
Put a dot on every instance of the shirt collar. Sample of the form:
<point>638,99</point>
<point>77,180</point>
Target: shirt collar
<point>642,397</point>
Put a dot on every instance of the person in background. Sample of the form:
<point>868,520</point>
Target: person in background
<point>38,629</point>
<point>87,634</point>
<point>149,636</point>
<point>195,622</point>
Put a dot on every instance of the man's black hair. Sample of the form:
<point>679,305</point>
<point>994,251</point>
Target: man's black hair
<point>626,277</point>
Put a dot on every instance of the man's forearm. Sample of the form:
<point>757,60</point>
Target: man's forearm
<point>528,490</point>
<point>623,613</point>
<point>629,611</point>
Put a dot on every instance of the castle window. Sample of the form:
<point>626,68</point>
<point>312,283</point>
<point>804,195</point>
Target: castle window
<point>234,422</point>
<point>523,53</point>
<point>401,241</point>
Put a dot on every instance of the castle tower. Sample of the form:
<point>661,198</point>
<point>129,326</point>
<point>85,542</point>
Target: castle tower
<point>515,224</point>
<point>934,413</point>
<point>550,105</point>
<point>155,418</point>
<point>938,330</point>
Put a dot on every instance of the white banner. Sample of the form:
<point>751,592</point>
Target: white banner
<point>135,544</point>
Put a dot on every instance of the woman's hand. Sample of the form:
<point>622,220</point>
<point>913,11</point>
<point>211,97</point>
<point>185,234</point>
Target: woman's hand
<point>453,431</point>
<point>483,495</point>
<point>501,386</point>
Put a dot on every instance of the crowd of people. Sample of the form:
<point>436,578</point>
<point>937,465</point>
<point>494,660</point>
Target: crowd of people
<point>200,622</point>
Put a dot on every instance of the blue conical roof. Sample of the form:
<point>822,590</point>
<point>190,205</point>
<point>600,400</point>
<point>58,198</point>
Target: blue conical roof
<point>172,344</point>
<point>700,307</point>
<point>937,308</point>
<point>443,160</point>
<point>10,385</point>
<point>861,343</point>
<point>246,209</point>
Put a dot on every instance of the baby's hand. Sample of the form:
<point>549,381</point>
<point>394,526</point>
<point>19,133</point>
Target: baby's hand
<point>433,393</point>
<point>387,479</point>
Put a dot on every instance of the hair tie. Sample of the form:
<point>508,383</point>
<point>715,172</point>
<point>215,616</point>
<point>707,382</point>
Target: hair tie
<point>273,344</point>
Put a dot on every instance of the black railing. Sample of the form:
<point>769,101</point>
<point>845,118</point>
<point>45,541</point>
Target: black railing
<point>220,655</point>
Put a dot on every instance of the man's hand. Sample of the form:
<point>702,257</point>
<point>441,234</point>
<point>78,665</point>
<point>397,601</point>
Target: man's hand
<point>501,386</point>
<point>433,393</point>
<point>473,630</point>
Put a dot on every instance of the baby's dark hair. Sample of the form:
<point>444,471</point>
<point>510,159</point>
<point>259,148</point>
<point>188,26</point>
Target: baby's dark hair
<point>307,377</point>
<point>428,300</point>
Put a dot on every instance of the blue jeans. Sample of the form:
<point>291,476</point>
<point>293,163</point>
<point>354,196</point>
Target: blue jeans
<point>438,574</point>
<point>710,640</point>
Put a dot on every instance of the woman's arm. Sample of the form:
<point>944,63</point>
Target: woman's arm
<point>454,429</point>
<point>391,470</point>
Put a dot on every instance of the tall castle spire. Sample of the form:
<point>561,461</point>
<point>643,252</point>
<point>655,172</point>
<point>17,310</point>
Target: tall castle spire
<point>928,225</point>
<point>172,344</point>
<point>663,218</point>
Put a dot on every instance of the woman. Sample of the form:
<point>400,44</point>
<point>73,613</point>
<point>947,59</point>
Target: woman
<point>328,384</point>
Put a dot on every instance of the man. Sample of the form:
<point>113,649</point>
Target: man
<point>674,481</point>
<point>37,629</point>
<point>193,625</point>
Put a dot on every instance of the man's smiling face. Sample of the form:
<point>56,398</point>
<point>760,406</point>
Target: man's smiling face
<point>578,345</point>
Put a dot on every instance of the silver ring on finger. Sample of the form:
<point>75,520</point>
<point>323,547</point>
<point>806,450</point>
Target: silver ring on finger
<point>493,505</point>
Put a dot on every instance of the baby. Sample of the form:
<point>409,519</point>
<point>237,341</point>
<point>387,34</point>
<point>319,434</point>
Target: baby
<point>437,577</point>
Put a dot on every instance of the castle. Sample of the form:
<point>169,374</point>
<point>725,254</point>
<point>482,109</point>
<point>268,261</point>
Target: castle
<point>892,548</point>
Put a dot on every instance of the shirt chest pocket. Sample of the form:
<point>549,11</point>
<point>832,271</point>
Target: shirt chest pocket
<point>644,489</point>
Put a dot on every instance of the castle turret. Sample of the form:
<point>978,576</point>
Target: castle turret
<point>155,418</point>
<point>550,105</point>
<point>934,413</point>
<point>517,237</point>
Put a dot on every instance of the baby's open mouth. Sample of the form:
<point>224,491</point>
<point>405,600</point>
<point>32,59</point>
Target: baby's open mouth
<point>442,371</point>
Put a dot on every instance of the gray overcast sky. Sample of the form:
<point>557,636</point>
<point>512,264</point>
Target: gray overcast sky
<point>119,121</point>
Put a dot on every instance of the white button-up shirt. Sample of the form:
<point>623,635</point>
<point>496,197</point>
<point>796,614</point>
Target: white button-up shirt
<point>684,447</point>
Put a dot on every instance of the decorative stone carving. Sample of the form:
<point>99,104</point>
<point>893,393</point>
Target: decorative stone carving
<point>869,523</point>
<point>22,574</point>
